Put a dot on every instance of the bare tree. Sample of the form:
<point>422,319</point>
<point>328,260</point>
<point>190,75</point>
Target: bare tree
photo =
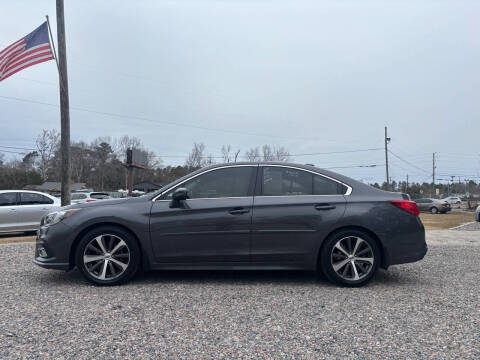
<point>196,156</point>
<point>47,144</point>
<point>268,153</point>
<point>253,154</point>
<point>125,142</point>
<point>226,153</point>
<point>236,155</point>
<point>281,154</point>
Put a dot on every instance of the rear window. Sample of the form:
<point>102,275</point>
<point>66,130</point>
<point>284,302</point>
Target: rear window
<point>78,196</point>
<point>99,196</point>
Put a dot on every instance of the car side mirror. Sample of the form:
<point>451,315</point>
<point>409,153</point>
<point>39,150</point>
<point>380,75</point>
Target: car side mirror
<point>178,197</point>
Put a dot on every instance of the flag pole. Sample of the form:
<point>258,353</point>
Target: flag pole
<point>64,105</point>
<point>52,43</point>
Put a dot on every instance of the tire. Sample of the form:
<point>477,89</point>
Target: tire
<point>434,210</point>
<point>108,255</point>
<point>353,273</point>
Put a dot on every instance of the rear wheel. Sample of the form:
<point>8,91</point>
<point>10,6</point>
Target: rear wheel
<point>350,258</point>
<point>434,210</point>
<point>108,256</point>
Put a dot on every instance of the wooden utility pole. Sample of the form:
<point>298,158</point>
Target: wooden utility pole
<point>130,180</point>
<point>406,189</point>
<point>64,105</point>
<point>433,175</point>
<point>387,139</point>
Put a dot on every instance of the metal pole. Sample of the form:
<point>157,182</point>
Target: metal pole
<point>386,158</point>
<point>52,44</point>
<point>64,105</point>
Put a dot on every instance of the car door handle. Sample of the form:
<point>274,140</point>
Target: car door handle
<point>320,207</point>
<point>239,211</point>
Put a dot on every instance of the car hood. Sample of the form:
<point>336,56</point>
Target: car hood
<point>98,203</point>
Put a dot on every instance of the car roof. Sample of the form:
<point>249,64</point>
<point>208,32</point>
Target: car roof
<point>28,191</point>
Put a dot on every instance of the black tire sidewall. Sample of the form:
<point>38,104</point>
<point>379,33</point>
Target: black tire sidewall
<point>325,261</point>
<point>434,210</point>
<point>132,244</point>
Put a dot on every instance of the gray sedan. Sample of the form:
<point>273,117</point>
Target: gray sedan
<point>274,216</point>
<point>21,210</point>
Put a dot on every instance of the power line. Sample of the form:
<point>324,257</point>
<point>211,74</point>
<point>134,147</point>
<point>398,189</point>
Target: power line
<point>407,162</point>
<point>130,117</point>
<point>15,147</point>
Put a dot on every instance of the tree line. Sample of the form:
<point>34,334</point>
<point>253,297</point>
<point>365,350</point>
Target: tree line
<point>100,163</point>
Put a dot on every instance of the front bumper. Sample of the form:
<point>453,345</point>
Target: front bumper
<point>52,247</point>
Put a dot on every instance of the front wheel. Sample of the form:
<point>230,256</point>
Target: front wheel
<point>108,256</point>
<point>350,258</point>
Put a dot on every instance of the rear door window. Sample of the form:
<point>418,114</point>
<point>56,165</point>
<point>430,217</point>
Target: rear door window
<point>34,199</point>
<point>8,199</point>
<point>281,181</point>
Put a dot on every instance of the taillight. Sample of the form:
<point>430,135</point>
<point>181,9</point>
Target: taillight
<point>409,206</point>
<point>90,200</point>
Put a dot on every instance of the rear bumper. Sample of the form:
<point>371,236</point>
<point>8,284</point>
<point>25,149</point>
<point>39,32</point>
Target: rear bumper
<point>405,246</point>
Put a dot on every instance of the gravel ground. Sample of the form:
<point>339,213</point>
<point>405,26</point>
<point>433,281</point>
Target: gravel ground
<point>471,226</point>
<point>428,309</point>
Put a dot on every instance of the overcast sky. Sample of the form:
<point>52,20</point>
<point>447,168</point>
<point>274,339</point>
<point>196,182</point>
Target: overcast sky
<point>314,76</point>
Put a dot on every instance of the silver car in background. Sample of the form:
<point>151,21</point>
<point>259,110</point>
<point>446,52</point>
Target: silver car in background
<point>86,197</point>
<point>477,213</point>
<point>22,210</point>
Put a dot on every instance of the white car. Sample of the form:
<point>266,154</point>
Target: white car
<point>22,210</point>
<point>453,200</point>
<point>84,197</point>
<point>477,213</point>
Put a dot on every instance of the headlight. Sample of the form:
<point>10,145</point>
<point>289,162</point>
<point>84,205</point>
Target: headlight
<point>57,216</point>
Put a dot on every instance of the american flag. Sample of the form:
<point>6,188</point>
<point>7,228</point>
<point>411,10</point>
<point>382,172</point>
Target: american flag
<point>28,51</point>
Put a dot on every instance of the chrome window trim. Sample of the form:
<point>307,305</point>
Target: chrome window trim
<point>348,192</point>
<point>204,172</point>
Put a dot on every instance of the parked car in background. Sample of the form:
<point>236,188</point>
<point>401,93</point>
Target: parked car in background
<point>434,206</point>
<point>22,210</point>
<point>453,200</point>
<point>86,197</point>
<point>477,213</point>
<point>252,216</point>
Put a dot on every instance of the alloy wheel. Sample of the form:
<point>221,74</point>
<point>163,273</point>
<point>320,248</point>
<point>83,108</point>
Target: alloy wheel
<point>352,258</point>
<point>106,257</point>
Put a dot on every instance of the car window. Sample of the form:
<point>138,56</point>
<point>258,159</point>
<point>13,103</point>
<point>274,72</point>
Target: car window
<point>226,182</point>
<point>78,196</point>
<point>324,186</point>
<point>34,199</point>
<point>99,196</point>
<point>280,181</point>
<point>8,199</point>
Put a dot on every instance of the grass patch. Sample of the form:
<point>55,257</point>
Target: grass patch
<point>446,221</point>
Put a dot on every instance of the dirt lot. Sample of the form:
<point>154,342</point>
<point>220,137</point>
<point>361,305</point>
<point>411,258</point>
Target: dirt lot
<point>446,221</point>
<point>15,238</point>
